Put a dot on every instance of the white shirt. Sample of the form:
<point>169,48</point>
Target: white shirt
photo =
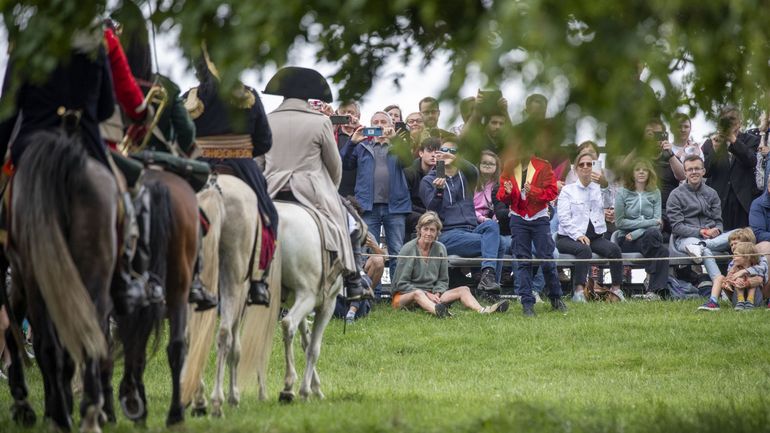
<point>576,205</point>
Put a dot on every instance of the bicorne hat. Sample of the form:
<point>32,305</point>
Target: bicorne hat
<point>300,83</point>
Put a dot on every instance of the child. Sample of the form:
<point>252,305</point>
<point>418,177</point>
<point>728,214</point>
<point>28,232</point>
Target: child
<point>745,273</point>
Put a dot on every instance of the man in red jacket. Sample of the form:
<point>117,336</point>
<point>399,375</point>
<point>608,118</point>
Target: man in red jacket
<point>527,185</point>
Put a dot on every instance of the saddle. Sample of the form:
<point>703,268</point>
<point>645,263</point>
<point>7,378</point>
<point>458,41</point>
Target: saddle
<point>196,173</point>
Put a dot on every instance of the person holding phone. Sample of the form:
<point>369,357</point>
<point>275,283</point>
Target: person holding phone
<point>381,186</point>
<point>730,160</point>
<point>451,197</point>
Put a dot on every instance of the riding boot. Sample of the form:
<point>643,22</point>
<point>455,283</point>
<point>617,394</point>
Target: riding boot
<point>198,294</point>
<point>127,292</point>
<point>259,294</point>
<point>142,258</point>
<point>357,287</point>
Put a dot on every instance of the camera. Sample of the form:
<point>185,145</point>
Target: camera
<point>661,136</point>
<point>372,132</point>
<point>340,120</point>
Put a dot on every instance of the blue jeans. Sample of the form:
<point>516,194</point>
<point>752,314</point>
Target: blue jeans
<point>717,245</point>
<point>484,241</point>
<point>527,234</point>
<point>538,280</point>
<point>395,225</point>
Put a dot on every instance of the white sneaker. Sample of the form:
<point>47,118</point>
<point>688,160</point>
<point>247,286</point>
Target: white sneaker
<point>619,294</point>
<point>538,299</point>
<point>578,296</point>
<point>696,252</point>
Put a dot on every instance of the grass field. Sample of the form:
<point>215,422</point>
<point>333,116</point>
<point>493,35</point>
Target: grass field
<point>636,367</point>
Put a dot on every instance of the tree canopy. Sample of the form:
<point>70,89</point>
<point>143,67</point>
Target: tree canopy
<point>594,49</point>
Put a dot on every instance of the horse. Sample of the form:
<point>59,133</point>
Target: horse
<point>174,225</point>
<point>62,249</point>
<point>230,206</point>
<point>302,279</point>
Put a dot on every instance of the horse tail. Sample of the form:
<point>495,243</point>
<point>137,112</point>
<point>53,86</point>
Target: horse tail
<point>259,326</point>
<point>201,327</point>
<point>51,168</point>
<point>161,229</point>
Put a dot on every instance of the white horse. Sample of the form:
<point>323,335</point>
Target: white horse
<point>301,278</point>
<point>230,206</point>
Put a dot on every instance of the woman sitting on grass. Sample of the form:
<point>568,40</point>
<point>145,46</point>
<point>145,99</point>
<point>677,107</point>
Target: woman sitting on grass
<point>424,281</point>
<point>744,273</point>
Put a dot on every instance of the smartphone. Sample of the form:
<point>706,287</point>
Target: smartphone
<point>440,172</point>
<point>597,165</point>
<point>401,127</point>
<point>491,96</point>
<point>372,132</point>
<point>340,120</point>
<point>661,136</point>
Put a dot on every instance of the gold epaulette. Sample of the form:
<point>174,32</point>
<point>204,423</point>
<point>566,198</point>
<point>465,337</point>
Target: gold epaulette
<point>193,104</point>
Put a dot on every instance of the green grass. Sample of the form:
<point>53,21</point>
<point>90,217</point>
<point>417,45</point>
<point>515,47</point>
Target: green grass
<point>635,367</point>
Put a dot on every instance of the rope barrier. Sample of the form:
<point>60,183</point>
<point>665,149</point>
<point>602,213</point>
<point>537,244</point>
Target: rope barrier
<point>561,260</point>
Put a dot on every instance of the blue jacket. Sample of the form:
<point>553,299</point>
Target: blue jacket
<point>360,157</point>
<point>453,204</point>
<point>759,217</point>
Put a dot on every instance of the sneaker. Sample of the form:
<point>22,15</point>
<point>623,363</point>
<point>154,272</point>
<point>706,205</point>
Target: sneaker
<point>538,299</point>
<point>651,296</point>
<point>350,317</point>
<point>578,296</point>
<point>619,294</point>
<point>558,305</point>
<point>441,310</point>
<point>748,306</point>
<point>709,306</point>
<point>497,307</point>
<point>528,310</point>
<point>488,282</point>
<point>740,306</point>
<point>696,252</point>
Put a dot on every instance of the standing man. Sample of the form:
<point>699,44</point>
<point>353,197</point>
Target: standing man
<point>430,114</point>
<point>342,134</point>
<point>730,160</point>
<point>414,174</point>
<point>381,187</point>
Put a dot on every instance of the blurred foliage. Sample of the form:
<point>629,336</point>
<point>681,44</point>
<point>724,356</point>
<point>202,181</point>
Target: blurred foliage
<point>592,48</point>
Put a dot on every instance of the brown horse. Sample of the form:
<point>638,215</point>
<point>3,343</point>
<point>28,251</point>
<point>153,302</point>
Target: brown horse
<point>174,246</point>
<point>62,250</point>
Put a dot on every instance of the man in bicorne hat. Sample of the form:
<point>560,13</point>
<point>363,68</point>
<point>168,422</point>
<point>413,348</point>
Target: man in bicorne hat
<point>303,137</point>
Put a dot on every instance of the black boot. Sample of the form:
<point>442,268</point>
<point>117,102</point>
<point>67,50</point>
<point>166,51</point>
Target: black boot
<point>357,287</point>
<point>128,293</point>
<point>153,284</point>
<point>258,294</point>
<point>199,296</point>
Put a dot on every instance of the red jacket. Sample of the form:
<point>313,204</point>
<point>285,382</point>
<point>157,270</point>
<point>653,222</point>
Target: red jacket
<point>127,92</point>
<point>542,188</point>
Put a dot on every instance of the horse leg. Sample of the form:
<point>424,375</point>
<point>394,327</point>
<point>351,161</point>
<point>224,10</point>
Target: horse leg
<point>176,352</point>
<point>21,411</point>
<point>91,405</point>
<point>303,305</point>
<point>108,406</point>
<point>322,316</point>
<point>49,356</point>
<point>305,334</point>
<point>235,356</point>
<point>224,345</point>
<point>134,339</point>
<point>199,401</point>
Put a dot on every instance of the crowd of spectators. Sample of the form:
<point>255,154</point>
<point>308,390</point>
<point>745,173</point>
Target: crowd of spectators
<point>490,189</point>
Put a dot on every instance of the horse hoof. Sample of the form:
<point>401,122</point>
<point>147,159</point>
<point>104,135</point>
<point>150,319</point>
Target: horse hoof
<point>199,412</point>
<point>286,397</point>
<point>132,406</point>
<point>23,414</point>
<point>174,418</point>
<point>233,401</point>
<point>216,412</point>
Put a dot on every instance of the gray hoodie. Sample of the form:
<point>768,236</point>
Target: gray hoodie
<point>690,209</point>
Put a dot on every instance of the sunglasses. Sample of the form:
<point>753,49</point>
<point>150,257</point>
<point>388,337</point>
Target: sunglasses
<point>585,164</point>
<point>448,150</point>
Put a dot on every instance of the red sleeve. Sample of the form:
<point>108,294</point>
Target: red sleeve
<point>546,189</point>
<point>127,92</point>
<point>501,194</point>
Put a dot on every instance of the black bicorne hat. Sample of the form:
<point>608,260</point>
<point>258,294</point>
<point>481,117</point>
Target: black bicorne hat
<point>300,83</point>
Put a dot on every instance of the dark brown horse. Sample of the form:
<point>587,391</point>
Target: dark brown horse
<point>62,250</point>
<point>174,246</point>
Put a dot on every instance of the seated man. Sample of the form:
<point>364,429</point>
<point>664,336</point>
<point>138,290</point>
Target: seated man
<point>695,214</point>
<point>425,282</point>
<point>450,195</point>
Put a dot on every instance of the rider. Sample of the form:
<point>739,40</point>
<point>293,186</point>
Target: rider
<point>304,137</point>
<point>231,133</point>
<point>175,131</point>
<point>76,96</point>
